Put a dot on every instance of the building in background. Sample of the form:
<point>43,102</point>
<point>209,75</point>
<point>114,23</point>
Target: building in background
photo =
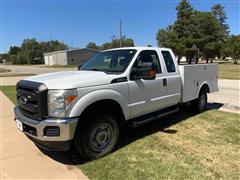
<point>69,57</point>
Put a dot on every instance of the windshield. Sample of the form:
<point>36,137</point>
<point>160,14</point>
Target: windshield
<point>110,61</point>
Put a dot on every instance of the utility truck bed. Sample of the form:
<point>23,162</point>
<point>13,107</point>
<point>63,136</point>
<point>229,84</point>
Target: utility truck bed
<point>195,75</point>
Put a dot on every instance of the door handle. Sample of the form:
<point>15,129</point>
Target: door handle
<point>164,82</point>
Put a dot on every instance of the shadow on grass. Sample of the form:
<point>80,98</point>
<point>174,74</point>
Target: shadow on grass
<point>130,135</point>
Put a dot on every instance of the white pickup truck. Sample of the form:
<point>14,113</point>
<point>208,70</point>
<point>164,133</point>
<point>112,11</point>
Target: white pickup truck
<point>86,108</point>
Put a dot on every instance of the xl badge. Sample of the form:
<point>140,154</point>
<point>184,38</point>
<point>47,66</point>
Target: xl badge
<point>23,100</point>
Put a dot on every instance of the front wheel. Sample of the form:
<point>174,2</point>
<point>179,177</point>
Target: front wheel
<point>200,103</point>
<point>97,138</point>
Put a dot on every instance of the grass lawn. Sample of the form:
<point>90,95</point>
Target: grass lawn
<point>180,146</point>
<point>229,71</point>
<point>10,92</point>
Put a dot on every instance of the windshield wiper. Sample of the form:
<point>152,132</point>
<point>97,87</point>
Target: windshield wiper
<point>93,69</point>
<point>108,71</point>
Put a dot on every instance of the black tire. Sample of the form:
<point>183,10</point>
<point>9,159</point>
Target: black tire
<point>200,104</point>
<point>98,137</point>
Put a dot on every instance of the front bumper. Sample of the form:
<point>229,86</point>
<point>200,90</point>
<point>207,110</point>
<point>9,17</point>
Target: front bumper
<point>36,131</point>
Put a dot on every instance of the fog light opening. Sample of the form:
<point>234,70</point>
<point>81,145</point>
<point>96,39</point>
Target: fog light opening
<point>51,131</point>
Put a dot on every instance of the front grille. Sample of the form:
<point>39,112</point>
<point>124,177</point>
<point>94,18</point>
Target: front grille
<point>32,99</point>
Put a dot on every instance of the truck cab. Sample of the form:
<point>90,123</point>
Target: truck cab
<point>88,107</point>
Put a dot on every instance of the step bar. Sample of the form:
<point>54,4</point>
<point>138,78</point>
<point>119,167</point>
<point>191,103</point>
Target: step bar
<point>153,116</point>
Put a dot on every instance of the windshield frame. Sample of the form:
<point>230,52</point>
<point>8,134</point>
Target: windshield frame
<point>111,71</point>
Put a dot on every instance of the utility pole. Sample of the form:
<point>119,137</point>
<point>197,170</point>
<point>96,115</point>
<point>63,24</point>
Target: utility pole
<point>120,31</point>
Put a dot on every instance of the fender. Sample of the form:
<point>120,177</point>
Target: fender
<point>94,96</point>
<point>200,87</point>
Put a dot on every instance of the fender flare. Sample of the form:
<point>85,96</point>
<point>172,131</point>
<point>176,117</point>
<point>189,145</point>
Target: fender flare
<point>200,87</point>
<point>94,96</point>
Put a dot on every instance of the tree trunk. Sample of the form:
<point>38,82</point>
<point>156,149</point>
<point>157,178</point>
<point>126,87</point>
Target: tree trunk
<point>207,60</point>
<point>197,60</point>
<point>235,61</point>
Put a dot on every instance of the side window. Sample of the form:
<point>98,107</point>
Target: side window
<point>168,61</point>
<point>149,56</point>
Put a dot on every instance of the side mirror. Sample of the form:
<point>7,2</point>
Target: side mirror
<point>144,71</point>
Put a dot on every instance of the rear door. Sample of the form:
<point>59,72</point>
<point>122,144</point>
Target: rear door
<point>147,96</point>
<point>173,78</point>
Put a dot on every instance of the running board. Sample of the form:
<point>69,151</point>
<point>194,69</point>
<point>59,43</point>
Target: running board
<point>154,116</point>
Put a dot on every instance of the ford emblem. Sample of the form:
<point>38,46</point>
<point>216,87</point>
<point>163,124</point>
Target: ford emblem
<point>23,100</point>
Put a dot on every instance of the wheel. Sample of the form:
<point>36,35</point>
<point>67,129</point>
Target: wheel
<point>98,137</point>
<point>200,103</point>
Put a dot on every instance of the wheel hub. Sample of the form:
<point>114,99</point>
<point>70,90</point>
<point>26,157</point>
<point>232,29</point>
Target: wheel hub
<point>101,136</point>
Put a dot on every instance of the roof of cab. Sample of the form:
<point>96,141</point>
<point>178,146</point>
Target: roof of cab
<point>139,48</point>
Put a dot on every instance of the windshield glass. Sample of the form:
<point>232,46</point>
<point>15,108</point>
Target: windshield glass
<point>110,61</point>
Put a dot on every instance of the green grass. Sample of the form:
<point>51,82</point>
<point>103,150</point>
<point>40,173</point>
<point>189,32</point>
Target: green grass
<point>10,92</point>
<point>180,146</point>
<point>229,71</point>
<point>15,74</point>
<point>204,146</point>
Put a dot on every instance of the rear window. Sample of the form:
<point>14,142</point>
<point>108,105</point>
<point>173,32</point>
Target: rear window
<point>168,61</point>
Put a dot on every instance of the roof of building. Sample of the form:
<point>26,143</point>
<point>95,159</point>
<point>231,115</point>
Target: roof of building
<point>82,49</point>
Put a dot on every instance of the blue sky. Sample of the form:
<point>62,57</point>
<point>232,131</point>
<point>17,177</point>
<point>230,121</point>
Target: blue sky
<point>78,22</point>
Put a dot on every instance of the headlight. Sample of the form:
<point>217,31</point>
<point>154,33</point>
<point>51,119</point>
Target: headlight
<point>59,101</point>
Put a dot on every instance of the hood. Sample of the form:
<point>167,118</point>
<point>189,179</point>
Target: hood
<point>73,79</point>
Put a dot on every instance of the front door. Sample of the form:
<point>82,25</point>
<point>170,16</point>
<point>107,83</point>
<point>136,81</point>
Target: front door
<point>146,96</point>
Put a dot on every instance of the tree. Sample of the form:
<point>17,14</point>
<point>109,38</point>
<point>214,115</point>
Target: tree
<point>178,36</point>
<point>3,56</point>
<point>184,19</point>
<point>92,45</point>
<point>221,17</point>
<point>14,50</point>
<point>202,30</point>
<point>168,38</point>
<point>207,34</point>
<point>31,51</point>
<point>115,43</point>
<point>232,48</point>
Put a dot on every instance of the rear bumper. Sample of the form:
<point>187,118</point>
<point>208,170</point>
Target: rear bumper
<point>36,131</point>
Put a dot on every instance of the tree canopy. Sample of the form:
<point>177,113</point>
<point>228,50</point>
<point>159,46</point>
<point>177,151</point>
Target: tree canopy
<point>31,51</point>
<point>115,43</point>
<point>232,48</point>
<point>196,31</point>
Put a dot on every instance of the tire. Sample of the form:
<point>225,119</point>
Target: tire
<point>98,137</point>
<point>200,104</point>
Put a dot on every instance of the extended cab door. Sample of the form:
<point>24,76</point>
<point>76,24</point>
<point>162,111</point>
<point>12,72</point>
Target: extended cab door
<point>146,96</point>
<point>173,78</point>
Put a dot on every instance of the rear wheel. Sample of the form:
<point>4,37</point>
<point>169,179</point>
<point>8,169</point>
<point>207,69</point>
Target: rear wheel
<point>200,103</point>
<point>98,137</point>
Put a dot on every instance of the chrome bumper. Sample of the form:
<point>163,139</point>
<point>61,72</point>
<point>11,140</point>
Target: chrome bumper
<point>66,126</point>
